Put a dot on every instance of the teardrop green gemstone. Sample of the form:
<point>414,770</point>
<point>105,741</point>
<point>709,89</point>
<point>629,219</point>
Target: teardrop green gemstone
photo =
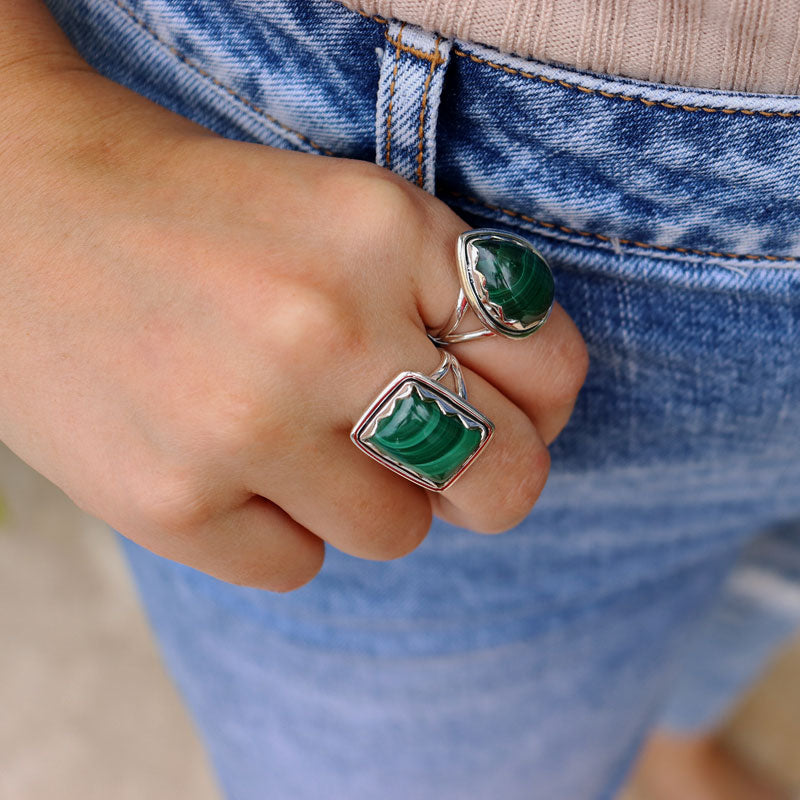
<point>419,435</point>
<point>517,279</point>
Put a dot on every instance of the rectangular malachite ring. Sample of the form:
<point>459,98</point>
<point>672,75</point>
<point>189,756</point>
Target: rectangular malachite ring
<point>421,430</point>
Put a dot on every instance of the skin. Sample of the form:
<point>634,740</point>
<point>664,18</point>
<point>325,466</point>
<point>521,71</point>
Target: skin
<point>192,325</point>
<point>700,767</point>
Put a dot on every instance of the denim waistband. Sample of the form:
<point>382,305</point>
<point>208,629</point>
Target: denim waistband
<point>612,163</point>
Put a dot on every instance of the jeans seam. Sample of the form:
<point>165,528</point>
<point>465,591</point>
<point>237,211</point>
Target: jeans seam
<point>613,239</point>
<point>397,47</point>
<point>208,76</point>
<point>434,62</point>
<point>599,92</point>
<point>434,58</point>
<point>618,96</point>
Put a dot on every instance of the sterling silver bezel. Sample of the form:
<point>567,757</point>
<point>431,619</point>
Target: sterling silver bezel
<point>429,388</point>
<point>473,283</point>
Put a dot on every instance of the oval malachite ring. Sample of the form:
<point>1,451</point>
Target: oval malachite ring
<point>506,282</point>
<point>422,430</point>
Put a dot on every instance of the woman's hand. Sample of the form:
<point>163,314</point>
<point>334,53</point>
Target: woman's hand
<point>192,325</point>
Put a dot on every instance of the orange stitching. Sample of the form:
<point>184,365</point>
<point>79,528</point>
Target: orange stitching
<point>422,115</point>
<point>370,16</point>
<point>435,58</point>
<point>589,234</point>
<point>587,90</point>
<point>249,103</point>
<point>602,93</point>
<point>391,98</point>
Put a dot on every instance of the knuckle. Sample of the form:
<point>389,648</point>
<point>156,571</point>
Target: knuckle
<point>173,503</point>
<point>290,581</point>
<point>381,202</point>
<point>237,422</point>
<point>259,575</point>
<point>320,316</point>
<point>520,488</point>
<point>394,533</point>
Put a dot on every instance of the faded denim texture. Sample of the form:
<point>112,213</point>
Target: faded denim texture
<point>527,665</point>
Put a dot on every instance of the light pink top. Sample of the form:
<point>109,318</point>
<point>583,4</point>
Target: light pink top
<point>742,45</point>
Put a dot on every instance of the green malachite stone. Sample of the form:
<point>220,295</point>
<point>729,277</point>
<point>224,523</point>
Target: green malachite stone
<point>517,279</point>
<point>419,435</point>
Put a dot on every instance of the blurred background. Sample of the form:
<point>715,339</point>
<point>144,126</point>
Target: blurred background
<point>88,711</point>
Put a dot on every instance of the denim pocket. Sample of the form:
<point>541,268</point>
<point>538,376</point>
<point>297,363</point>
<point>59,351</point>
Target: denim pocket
<point>680,173</point>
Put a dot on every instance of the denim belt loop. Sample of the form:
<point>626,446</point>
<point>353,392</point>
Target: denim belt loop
<point>413,64</point>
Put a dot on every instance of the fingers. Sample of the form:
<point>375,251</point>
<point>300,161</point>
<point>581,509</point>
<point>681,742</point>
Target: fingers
<point>363,508</point>
<point>352,501</point>
<point>321,478</point>
<point>255,544</point>
<point>498,490</point>
<point>541,374</point>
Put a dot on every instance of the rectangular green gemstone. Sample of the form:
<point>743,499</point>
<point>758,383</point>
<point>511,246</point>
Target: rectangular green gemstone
<point>422,436</point>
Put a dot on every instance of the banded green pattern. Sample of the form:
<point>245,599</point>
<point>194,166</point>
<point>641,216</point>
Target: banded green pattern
<point>419,435</point>
<point>517,279</point>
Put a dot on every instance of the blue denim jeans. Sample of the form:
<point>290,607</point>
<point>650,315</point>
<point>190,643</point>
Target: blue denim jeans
<point>528,665</point>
